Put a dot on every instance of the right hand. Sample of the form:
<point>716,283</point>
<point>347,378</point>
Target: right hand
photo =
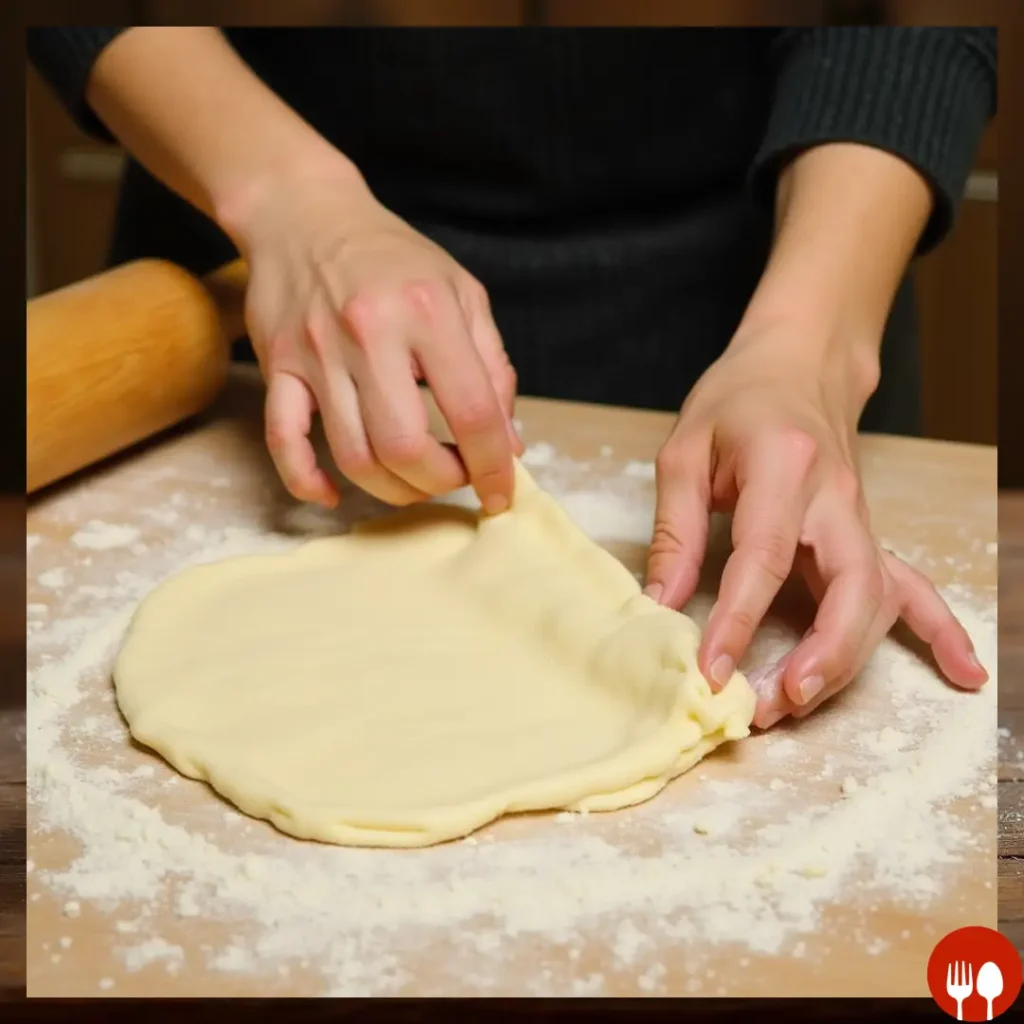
<point>347,308</point>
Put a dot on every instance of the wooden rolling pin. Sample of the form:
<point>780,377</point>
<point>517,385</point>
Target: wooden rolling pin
<point>120,356</point>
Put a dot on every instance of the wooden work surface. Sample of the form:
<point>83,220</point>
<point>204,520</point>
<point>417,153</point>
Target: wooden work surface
<point>936,502</point>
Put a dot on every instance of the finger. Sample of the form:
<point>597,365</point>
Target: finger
<point>767,524</point>
<point>398,427</point>
<point>467,400</point>
<point>928,615</point>
<point>341,412</point>
<point>876,633</point>
<point>679,541</point>
<point>289,418</point>
<point>502,375</point>
<point>854,584</point>
<point>332,346</point>
<point>487,338</point>
<point>772,703</point>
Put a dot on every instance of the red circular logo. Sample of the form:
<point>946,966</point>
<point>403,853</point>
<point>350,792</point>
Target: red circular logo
<point>974,974</point>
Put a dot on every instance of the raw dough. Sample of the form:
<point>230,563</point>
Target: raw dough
<point>413,680</point>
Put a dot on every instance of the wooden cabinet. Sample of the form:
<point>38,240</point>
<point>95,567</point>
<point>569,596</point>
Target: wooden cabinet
<point>672,12</point>
<point>71,194</point>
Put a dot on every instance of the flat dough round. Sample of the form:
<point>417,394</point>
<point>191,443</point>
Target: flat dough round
<point>411,681</point>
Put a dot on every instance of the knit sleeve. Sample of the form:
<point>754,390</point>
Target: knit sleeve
<point>64,57</point>
<point>923,94</point>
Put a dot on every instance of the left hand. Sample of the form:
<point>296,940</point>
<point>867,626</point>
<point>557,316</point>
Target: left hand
<point>770,435</point>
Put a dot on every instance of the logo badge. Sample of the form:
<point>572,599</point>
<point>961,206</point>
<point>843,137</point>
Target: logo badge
<point>974,974</point>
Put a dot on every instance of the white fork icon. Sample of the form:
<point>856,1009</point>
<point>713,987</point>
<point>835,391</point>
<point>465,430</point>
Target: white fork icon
<point>959,984</point>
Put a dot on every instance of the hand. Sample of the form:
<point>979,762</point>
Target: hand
<point>771,438</point>
<point>348,307</point>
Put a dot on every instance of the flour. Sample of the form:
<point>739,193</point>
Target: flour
<point>639,470</point>
<point>150,951</point>
<point>537,455</point>
<point>717,861</point>
<point>100,536</point>
<point>885,741</point>
<point>53,579</point>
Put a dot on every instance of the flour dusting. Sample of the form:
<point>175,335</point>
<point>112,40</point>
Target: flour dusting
<point>100,536</point>
<point>722,860</point>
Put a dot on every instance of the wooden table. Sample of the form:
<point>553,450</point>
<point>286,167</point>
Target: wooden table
<point>1011,716</point>
<point>221,474</point>
<point>12,745</point>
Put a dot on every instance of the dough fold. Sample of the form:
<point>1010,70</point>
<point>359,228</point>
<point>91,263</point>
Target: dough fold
<point>413,680</point>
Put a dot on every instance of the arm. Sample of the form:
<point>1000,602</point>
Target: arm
<point>868,148</point>
<point>347,306</point>
<point>922,94</point>
<point>190,109</point>
<point>64,57</point>
<point>848,218</point>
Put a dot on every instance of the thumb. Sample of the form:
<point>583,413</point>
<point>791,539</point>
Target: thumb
<point>680,521</point>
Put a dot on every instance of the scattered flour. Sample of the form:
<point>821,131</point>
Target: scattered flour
<point>100,536</point>
<point>54,579</point>
<point>538,455</point>
<point>783,749</point>
<point>639,470</point>
<point>733,862</point>
<point>150,951</point>
<point>652,978</point>
<point>886,741</point>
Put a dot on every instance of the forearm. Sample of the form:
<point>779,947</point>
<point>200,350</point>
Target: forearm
<point>847,220</point>
<point>191,111</point>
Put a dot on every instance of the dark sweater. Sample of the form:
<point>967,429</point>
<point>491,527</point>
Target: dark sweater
<point>612,188</point>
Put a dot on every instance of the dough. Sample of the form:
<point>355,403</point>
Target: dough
<point>413,680</point>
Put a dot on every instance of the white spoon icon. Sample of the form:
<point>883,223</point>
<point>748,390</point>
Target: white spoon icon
<point>990,984</point>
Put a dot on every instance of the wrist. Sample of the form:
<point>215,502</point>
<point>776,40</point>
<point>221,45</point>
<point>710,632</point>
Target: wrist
<point>840,364</point>
<point>240,202</point>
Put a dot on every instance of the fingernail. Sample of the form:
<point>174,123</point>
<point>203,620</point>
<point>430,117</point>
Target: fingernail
<point>495,503</point>
<point>973,659</point>
<point>722,669</point>
<point>654,592</point>
<point>810,688</point>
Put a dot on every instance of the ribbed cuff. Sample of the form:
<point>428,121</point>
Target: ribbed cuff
<point>65,58</point>
<point>923,94</point>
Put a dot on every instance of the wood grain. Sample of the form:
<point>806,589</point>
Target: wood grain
<point>1011,716</point>
<point>12,745</point>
